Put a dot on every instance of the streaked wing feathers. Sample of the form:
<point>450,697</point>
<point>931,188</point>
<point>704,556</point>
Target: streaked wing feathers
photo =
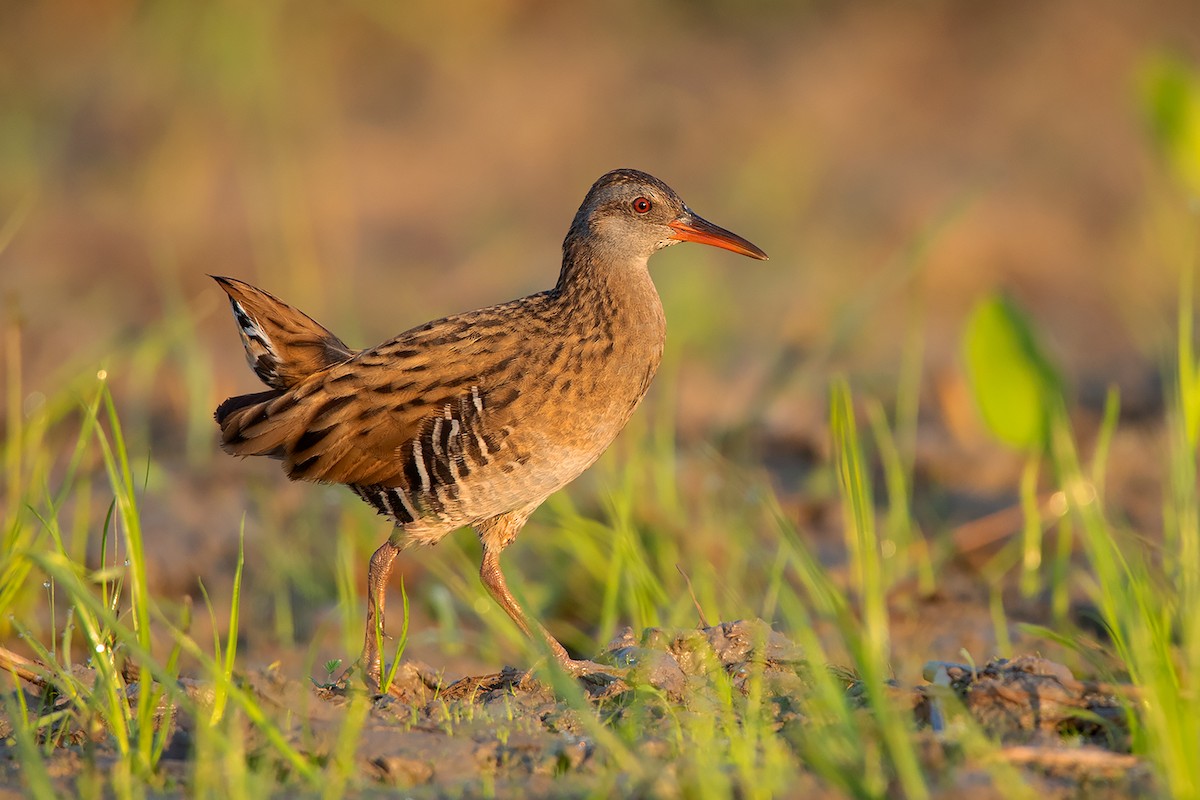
<point>362,422</point>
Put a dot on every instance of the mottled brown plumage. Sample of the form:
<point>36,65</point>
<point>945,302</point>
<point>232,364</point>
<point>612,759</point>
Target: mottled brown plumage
<point>476,418</point>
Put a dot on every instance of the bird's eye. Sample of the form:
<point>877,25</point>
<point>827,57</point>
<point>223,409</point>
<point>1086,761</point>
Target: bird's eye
<point>641,205</point>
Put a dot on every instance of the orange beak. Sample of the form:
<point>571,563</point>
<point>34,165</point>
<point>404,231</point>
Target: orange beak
<point>693,228</point>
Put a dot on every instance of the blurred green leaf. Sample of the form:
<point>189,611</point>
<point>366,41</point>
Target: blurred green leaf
<point>1014,384</point>
<point>1170,94</point>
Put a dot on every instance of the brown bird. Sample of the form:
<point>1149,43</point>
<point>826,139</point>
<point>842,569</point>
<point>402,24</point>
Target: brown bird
<point>474,419</point>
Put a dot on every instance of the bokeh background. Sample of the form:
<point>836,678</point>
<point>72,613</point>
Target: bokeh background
<point>379,164</point>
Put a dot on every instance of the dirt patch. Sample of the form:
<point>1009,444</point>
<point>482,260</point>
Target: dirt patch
<point>513,732</point>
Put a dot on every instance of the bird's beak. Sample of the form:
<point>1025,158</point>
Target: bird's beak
<point>691,227</point>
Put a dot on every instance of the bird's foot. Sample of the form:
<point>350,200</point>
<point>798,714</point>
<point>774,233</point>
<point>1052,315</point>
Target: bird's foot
<point>365,671</point>
<point>353,674</point>
<point>582,668</point>
<point>598,680</point>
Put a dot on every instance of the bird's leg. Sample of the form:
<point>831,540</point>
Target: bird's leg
<point>493,581</point>
<point>377,580</point>
<point>496,534</point>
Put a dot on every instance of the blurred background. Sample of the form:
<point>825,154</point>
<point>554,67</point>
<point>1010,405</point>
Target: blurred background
<point>380,164</point>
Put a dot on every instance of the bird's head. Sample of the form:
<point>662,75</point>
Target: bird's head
<point>629,214</point>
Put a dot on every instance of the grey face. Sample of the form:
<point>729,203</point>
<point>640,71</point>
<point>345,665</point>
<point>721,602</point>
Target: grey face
<point>632,214</point>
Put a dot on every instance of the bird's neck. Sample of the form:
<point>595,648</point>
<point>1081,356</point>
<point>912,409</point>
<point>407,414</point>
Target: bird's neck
<point>610,317</point>
<point>612,294</point>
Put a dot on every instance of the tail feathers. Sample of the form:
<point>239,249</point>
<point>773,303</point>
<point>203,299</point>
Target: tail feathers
<point>241,401</point>
<point>283,345</point>
<point>247,425</point>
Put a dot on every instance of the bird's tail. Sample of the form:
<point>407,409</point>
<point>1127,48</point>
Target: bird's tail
<point>284,346</point>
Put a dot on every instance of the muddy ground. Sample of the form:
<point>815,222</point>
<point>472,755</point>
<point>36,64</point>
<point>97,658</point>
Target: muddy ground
<point>510,734</point>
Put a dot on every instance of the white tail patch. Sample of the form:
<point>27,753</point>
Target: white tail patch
<point>252,332</point>
<point>260,352</point>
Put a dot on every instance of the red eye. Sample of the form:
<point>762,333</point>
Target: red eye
<point>641,205</point>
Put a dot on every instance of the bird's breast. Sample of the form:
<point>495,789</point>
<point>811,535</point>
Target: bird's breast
<point>587,390</point>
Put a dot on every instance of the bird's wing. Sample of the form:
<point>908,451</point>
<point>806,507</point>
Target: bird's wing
<point>420,409</point>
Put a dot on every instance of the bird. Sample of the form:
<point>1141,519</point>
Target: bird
<point>476,418</point>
